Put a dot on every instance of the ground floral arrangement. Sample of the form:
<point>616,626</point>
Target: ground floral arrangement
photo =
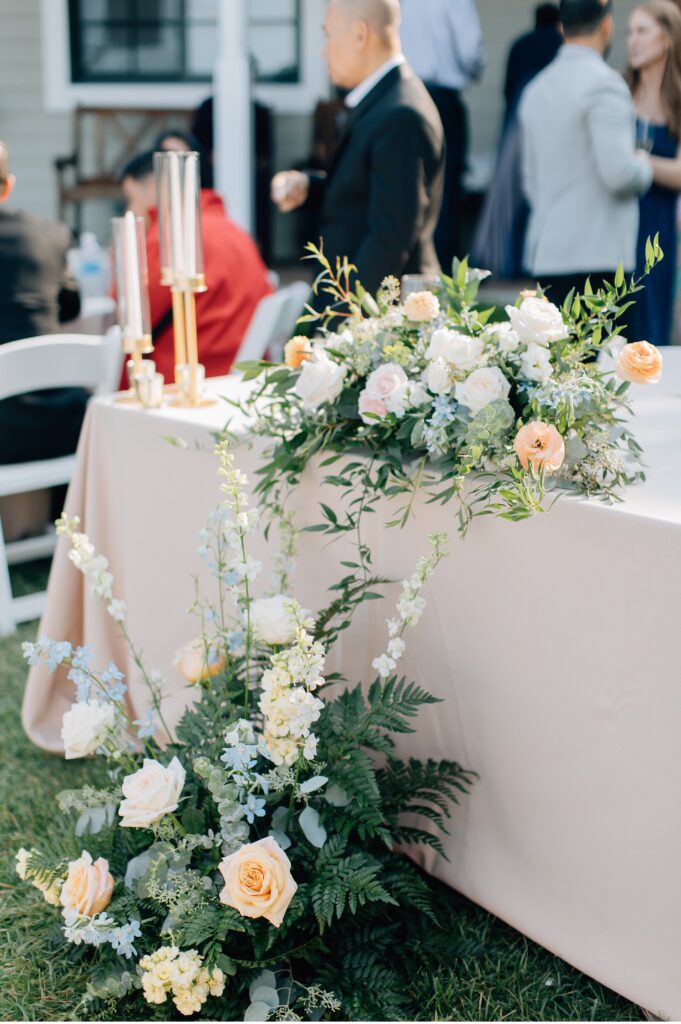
<point>436,396</point>
<point>246,867</point>
<point>249,865</point>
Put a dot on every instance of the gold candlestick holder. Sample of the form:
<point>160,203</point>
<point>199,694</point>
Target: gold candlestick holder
<point>136,349</point>
<point>188,382</point>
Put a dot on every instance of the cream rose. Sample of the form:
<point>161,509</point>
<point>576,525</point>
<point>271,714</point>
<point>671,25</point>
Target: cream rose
<point>85,727</point>
<point>639,363</point>
<point>150,793</point>
<point>540,445</point>
<point>274,620</point>
<point>88,886</point>
<point>198,663</point>
<point>460,351</point>
<point>421,307</point>
<point>482,387</point>
<point>537,321</point>
<point>535,363</point>
<point>258,881</point>
<point>321,380</point>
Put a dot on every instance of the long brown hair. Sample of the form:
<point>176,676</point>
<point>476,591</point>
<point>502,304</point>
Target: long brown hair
<point>668,16</point>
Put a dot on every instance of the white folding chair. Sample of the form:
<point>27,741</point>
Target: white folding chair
<point>272,323</point>
<point>51,361</point>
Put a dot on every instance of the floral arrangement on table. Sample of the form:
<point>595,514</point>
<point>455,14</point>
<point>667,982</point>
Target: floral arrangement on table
<point>436,395</point>
<point>249,864</point>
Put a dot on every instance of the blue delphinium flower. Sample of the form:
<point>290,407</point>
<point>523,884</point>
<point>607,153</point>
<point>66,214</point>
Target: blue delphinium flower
<point>255,808</point>
<point>146,725</point>
<point>122,938</point>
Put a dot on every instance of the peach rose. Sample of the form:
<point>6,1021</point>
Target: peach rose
<point>88,886</point>
<point>540,445</point>
<point>421,307</point>
<point>639,363</point>
<point>192,662</point>
<point>296,351</point>
<point>258,881</point>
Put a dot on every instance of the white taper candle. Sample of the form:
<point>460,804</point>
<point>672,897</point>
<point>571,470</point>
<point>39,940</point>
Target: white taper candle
<point>176,237</point>
<point>133,296</point>
<point>190,215</point>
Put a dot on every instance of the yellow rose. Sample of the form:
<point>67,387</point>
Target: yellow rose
<point>88,886</point>
<point>639,363</point>
<point>296,351</point>
<point>192,662</point>
<point>258,881</point>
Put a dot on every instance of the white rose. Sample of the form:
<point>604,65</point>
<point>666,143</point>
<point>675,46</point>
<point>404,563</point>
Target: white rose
<point>482,387</point>
<point>439,377</point>
<point>275,619</point>
<point>505,336</point>
<point>535,364</point>
<point>462,352</point>
<point>418,396</point>
<point>537,321</point>
<point>150,793</point>
<point>321,380</point>
<point>85,727</point>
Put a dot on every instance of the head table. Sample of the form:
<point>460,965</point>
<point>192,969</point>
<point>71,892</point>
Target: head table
<point>553,643</point>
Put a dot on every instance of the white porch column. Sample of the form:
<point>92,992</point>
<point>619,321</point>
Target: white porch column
<point>233,124</point>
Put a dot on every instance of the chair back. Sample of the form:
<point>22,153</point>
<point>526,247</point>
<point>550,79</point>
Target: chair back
<point>265,326</point>
<point>61,360</point>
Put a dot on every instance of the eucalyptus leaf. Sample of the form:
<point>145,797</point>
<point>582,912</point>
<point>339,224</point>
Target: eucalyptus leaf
<point>336,796</point>
<point>257,1011</point>
<point>266,979</point>
<point>313,784</point>
<point>312,828</point>
<point>265,994</point>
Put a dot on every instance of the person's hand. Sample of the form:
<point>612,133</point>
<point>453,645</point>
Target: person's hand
<point>289,190</point>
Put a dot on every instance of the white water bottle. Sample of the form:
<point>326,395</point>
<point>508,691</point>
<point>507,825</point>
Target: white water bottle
<point>89,264</point>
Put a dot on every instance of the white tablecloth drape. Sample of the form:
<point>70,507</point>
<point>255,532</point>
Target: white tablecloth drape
<point>553,644</point>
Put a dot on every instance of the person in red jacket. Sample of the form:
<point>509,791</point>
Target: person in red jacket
<point>236,276</point>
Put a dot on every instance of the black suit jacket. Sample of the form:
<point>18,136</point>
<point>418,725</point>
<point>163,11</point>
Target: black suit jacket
<point>35,291</point>
<point>382,194</point>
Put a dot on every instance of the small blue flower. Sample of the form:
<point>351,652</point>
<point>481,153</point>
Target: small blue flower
<point>240,758</point>
<point>82,658</point>
<point>255,808</point>
<point>235,641</point>
<point>147,725</point>
<point>122,938</point>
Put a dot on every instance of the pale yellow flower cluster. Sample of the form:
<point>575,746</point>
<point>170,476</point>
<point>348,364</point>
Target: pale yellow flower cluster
<point>182,974</point>
<point>50,889</point>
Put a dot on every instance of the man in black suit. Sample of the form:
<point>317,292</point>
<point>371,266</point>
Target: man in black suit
<point>35,295</point>
<point>382,192</point>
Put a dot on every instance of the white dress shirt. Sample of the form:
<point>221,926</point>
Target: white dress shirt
<point>443,41</point>
<point>355,97</point>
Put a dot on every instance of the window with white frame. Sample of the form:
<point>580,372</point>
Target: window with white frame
<point>175,40</point>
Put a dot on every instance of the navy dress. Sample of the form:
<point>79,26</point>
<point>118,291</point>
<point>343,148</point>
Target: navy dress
<point>654,308</point>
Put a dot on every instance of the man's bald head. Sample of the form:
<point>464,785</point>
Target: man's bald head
<point>382,15</point>
<point>361,35</point>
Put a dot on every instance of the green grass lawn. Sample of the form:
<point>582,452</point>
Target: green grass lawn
<point>495,973</point>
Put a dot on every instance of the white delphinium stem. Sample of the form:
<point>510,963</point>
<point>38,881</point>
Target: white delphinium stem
<point>410,605</point>
<point>241,523</point>
<point>96,570</point>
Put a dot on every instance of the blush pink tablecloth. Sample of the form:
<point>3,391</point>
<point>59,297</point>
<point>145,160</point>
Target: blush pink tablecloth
<point>553,643</point>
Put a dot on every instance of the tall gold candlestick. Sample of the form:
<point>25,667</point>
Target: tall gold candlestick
<point>179,330</point>
<point>192,345</point>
